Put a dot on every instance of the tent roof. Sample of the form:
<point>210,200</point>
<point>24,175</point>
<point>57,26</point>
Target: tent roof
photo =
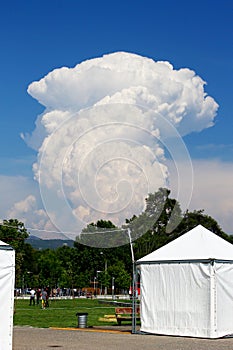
<point>197,244</point>
<point>5,246</point>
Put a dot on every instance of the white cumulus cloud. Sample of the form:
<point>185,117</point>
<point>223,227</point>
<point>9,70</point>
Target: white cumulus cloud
<point>102,138</point>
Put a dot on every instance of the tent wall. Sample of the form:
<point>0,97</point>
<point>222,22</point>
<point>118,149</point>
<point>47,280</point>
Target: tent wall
<point>187,286</point>
<point>7,273</point>
<point>175,299</point>
<point>224,298</point>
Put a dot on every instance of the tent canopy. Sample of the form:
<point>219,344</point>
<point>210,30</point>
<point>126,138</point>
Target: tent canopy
<point>197,244</point>
<point>187,286</point>
<point>5,246</point>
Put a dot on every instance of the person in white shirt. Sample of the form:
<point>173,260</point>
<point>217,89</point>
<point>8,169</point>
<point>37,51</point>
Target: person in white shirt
<point>32,296</point>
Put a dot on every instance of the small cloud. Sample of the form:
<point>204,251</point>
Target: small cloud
<point>212,190</point>
<point>215,147</point>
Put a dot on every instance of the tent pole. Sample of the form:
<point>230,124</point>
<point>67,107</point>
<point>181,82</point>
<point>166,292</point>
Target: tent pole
<point>133,285</point>
<point>134,319</point>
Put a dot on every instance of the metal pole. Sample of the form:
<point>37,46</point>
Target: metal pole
<point>134,320</point>
<point>97,273</point>
<point>113,278</point>
<point>105,273</point>
<point>94,285</point>
<point>105,276</point>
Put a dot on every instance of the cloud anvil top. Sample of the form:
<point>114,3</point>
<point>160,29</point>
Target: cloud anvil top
<point>105,133</point>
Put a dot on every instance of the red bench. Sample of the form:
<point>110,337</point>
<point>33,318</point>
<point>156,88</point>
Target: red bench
<point>125,314</point>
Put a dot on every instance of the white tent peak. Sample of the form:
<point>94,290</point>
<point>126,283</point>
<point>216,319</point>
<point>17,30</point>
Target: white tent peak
<point>3,243</point>
<point>196,244</point>
<point>5,246</point>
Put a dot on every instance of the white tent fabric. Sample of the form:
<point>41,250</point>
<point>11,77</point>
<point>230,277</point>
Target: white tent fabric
<point>187,287</point>
<point>7,279</point>
<point>198,243</point>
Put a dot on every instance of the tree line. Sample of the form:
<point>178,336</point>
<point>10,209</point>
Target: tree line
<point>83,266</point>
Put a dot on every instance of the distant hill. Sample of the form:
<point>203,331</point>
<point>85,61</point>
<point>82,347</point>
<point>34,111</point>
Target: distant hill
<point>38,243</point>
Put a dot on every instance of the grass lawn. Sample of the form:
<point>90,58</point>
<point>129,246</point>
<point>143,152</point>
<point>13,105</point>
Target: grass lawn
<point>61,313</point>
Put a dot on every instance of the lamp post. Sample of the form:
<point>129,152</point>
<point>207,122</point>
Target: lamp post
<point>97,272</point>
<point>94,286</point>
<point>113,286</point>
<point>105,273</point>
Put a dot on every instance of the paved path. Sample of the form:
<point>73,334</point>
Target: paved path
<point>27,338</point>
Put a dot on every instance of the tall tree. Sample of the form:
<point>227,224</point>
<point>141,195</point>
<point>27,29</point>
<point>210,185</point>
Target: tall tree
<point>198,217</point>
<point>160,216</point>
<point>14,233</point>
<point>99,234</point>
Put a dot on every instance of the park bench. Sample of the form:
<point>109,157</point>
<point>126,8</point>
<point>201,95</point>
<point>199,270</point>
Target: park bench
<point>125,314</point>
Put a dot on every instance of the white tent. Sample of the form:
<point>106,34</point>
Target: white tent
<point>187,287</point>
<point>7,279</point>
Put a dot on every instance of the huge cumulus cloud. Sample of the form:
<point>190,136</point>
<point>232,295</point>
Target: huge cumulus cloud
<point>107,126</point>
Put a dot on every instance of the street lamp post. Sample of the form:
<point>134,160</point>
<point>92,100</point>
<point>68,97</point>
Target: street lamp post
<point>105,276</point>
<point>94,285</point>
<point>97,272</point>
<point>105,273</point>
<point>113,286</point>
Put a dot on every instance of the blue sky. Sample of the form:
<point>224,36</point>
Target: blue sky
<point>37,37</point>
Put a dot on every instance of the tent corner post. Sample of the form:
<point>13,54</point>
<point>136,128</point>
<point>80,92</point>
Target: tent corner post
<point>134,319</point>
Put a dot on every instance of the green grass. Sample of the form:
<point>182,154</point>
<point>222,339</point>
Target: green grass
<point>61,313</point>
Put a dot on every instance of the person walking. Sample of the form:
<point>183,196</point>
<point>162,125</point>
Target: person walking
<point>47,296</point>
<point>32,297</point>
<point>38,295</point>
<point>43,298</point>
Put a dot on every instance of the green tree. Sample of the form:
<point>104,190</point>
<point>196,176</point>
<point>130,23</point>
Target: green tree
<point>121,276</point>
<point>72,274</point>
<point>167,223</point>
<point>198,217</point>
<point>160,216</point>
<point>30,271</point>
<point>102,259</point>
<point>49,267</point>
<point>14,233</point>
<point>99,234</point>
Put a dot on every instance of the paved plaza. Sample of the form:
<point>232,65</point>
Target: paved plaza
<point>28,338</point>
